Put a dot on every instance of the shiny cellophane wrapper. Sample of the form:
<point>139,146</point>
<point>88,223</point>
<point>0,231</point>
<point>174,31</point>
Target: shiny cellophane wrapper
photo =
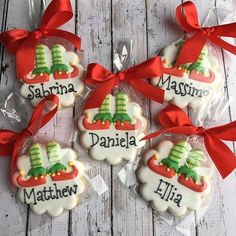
<point>100,133</point>
<point>198,86</point>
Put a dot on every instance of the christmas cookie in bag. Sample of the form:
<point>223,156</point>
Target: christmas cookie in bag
<point>45,58</point>
<point>193,84</point>
<point>175,177</point>
<point>113,131</point>
<point>49,178</point>
<point>57,71</point>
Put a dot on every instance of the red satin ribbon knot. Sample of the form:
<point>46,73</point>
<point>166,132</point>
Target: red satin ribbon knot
<point>174,120</point>
<point>12,142</point>
<point>104,81</point>
<point>187,17</point>
<point>23,42</point>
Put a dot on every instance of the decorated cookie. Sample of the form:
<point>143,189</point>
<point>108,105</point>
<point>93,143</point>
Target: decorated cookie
<point>173,177</point>
<point>113,131</point>
<point>57,71</point>
<point>50,179</point>
<point>194,84</point>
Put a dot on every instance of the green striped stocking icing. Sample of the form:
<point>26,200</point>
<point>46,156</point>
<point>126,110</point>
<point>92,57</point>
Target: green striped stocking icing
<point>57,59</point>
<point>199,66</point>
<point>104,111</point>
<point>40,60</point>
<point>121,108</point>
<point>36,161</point>
<point>193,161</point>
<point>54,158</point>
<point>177,153</point>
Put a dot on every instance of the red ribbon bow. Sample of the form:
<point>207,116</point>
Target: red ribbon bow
<point>104,81</point>
<point>187,17</point>
<point>23,42</point>
<point>174,120</point>
<point>12,142</point>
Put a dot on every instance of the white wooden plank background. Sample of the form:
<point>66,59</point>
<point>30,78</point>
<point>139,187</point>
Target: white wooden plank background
<point>100,23</point>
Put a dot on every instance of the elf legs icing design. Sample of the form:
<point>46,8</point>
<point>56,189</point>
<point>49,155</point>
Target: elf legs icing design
<point>37,172</point>
<point>169,166</point>
<point>52,193</point>
<point>188,175</point>
<point>103,119</point>
<point>41,72</point>
<point>57,170</point>
<point>121,119</point>
<point>198,69</point>
<point>177,71</point>
<point>59,69</point>
<point>182,192</point>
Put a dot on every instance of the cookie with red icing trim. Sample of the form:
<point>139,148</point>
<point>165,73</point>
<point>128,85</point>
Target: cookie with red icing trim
<point>57,71</point>
<point>173,177</point>
<point>113,131</point>
<point>193,84</point>
<point>49,178</point>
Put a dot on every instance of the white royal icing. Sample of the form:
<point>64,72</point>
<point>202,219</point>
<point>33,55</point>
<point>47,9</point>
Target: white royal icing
<point>111,144</point>
<point>52,197</point>
<point>168,193</point>
<point>185,91</point>
<point>66,89</point>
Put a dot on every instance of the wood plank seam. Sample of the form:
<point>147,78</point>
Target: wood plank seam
<point>3,28</point>
<point>112,69</point>
<point>149,102</point>
<point>70,216</point>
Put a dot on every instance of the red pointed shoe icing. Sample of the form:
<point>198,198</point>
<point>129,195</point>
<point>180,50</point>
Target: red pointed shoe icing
<point>189,183</point>
<point>31,182</point>
<point>127,125</point>
<point>202,78</point>
<point>66,75</point>
<point>176,71</point>
<point>39,78</point>
<point>98,125</point>
<point>64,175</point>
<point>160,169</point>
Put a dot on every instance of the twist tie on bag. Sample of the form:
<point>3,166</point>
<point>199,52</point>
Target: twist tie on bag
<point>187,17</point>
<point>22,42</point>
<point>175,120</point>
<point>104,81</point>
<point>12,142</point>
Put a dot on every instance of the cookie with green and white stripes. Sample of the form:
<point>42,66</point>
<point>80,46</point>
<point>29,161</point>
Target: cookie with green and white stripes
<point>113,131</point>
<point>193,84</point>
<point>175,177</point>
<point>57,71</point>
<point>50,178</point>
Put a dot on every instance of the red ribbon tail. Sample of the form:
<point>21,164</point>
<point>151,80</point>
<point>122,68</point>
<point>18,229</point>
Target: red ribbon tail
<point>57,14</point>
<point>149,91</point>
<point>97,96</point>
<point>7,139</point>
<point>154,135</point>
<point>15,153</point>
<point>186,53</point>
<point>25,57</point>
<point>223,44</point>
<point>221,155</point>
